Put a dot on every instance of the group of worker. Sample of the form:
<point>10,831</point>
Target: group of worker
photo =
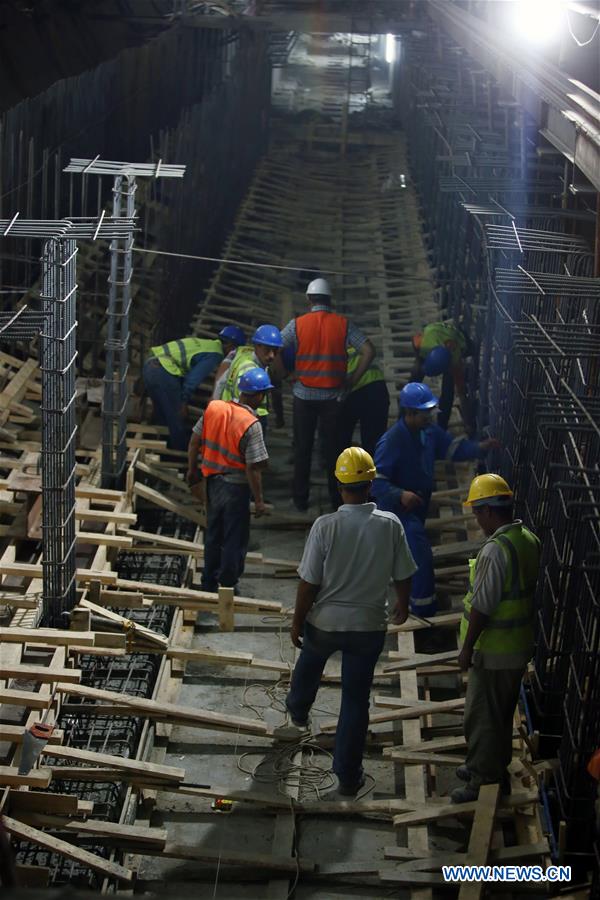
<point>352,554</point>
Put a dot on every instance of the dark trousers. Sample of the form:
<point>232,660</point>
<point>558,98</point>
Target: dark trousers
<point>164,390</point>
<point>492,696</point>
<point>227,533</point>
<point>360,652</point>
<point>307,415</point>
<point>369,405</point>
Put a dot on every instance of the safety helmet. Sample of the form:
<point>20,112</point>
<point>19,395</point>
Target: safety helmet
<point>489,490</point>
<point>254,381</point>
<point>437,361</point>
<point>417,396</point>
<point>269,335</point>
<point>354,466</point>
<point>318,286</point>
<point>234,334</point>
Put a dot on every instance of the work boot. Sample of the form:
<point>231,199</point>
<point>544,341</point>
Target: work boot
<point>464,773</point>
<point>351,790</point>
<point>465,794</point>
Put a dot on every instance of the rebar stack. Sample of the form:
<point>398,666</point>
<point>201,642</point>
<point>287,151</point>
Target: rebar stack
<point>514,265</point>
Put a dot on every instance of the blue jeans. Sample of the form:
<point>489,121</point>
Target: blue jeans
<point>360,652</point>
<point>164,390</point>
<point>227,533</point>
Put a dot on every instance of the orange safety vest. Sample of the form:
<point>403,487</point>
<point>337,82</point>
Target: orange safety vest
<point>225,424</point>
<point>321,357</point>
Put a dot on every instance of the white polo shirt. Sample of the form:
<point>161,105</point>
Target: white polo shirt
<point>353,554</point>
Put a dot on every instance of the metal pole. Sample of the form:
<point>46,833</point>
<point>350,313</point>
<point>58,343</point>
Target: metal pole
<point>114,408</point>
<point>58,355</point>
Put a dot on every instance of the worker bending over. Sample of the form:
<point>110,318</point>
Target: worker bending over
<point>174,371</point>
<point>228,445</point>
<point>266,344</point>
<point>348,561</point>
<point>367,403</point>
<point>496,632</point>
<point>405,458</point>
<point>439,350</point>
<point>320,339</point>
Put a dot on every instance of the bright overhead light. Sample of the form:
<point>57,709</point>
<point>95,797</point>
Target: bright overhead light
<point>538,21</point>
<point>390,48</point>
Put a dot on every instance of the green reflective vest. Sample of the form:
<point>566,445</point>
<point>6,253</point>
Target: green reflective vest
<point>437,334</point>
<point>373,373</point>
<point>243,360</point>
<point>508,636</point>
<point>176,356</point>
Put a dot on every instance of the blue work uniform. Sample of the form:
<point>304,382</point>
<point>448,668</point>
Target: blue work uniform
<point>405,462</point>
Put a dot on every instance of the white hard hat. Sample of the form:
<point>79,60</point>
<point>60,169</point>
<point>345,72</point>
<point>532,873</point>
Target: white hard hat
<point>318,286</point>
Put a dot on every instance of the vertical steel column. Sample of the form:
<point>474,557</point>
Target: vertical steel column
<point>114,407</point>
<point>58,355</point>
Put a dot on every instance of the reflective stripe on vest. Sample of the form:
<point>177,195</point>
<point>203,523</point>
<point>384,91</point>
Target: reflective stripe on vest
<point>176,356</point>
<point>321,357</point>
<point>224,425</point>
<point>509,630</point>
<point>243,361</point>
<point>372,374</point>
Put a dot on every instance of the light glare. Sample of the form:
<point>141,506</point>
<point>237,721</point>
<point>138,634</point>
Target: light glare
<point>390,48</point>
<point>538,21</point>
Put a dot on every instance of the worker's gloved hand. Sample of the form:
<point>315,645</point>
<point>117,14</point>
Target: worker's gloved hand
<point>296,633</point>
<point>489,444</point>
<point>465,659</point>
<point>259,508</point>
<point>410,500</point>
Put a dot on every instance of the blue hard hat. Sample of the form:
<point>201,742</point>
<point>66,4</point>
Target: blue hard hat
<point>269,335</point>
<point>417,396</point>
<point>234,334</point>
<point>437,361</point>
<point>254,381</point>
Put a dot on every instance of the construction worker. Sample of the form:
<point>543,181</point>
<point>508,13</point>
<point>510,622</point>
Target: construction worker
<point>266,344</point>
<point>320,339</point>
<point>439,350</point>
<point>405,458</point>
<point>174,371</point>
<point>348,562</point>
<point>367,403</point>
<point>228,443</point>
<point>496,633</point>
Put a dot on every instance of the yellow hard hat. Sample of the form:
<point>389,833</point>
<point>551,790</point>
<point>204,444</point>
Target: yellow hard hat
<point>489,490</point>
<point>354,465</point>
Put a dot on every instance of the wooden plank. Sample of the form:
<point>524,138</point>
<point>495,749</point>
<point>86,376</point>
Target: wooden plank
<point>444,620</point>
<point>27,699</point>
<point>422,659</point>
<point>496,856</point>
<point>200,718</point>
<point>63,848</point>
<point>43,674</point>
<point>154,838</point>
<point>187,512</point>
<point>398,715</point>
<point>106,760</point>
<point>38,778</point>
<point>14,734</point>
<point>226,616</point>
<point>481,838</point>
<point>34,570</point>
<point>432,811</point>
<point>58,804</point>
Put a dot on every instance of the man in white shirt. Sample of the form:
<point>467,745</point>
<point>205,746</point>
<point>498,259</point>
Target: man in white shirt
<point>349,559</point>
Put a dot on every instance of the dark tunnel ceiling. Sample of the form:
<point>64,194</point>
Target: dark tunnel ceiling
<point>66,37</point>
